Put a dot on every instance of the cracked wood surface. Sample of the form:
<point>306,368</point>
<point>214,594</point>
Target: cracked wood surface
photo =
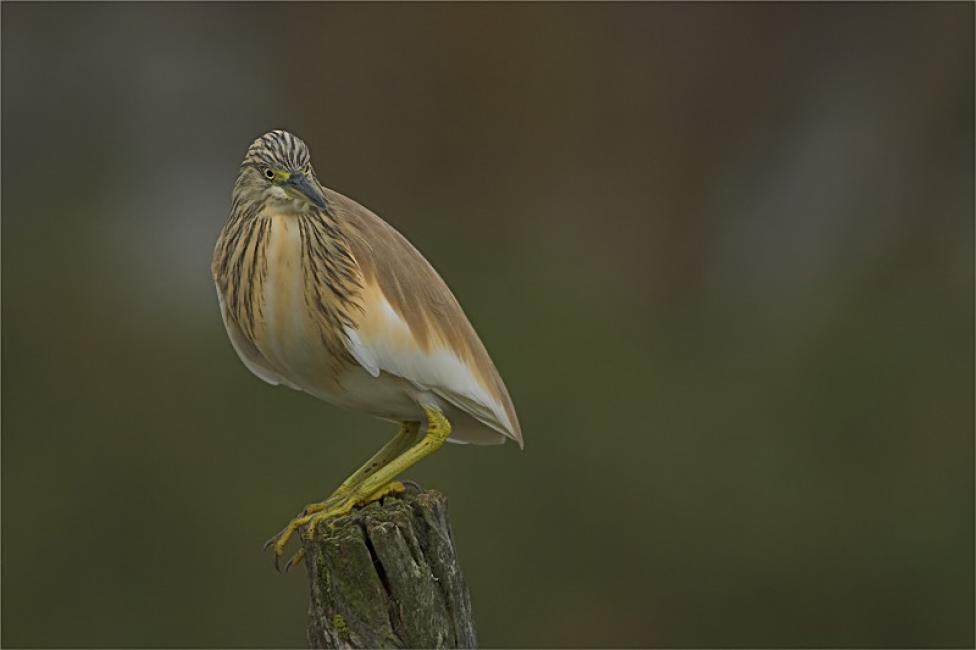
<point>387,576</point>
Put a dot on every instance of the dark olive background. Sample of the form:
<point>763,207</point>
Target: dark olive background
<point>721,253</point>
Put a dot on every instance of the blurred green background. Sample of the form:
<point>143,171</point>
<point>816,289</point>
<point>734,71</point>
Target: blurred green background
<point>722,255</point>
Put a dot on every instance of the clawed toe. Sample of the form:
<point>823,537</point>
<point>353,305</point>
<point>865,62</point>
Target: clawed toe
<point>314,513</point>
<point>412,484</point>
<point>309,519</point>
<point>278,542</point>
<point>294,559</point>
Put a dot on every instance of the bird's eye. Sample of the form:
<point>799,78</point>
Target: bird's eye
<point>268,173</point>
<point>307,170</point>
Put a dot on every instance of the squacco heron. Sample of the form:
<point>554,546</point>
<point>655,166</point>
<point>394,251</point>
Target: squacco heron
<point>319,294</point>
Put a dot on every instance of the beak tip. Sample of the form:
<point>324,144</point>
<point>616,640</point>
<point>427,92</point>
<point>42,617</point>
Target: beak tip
<point>310,191</point>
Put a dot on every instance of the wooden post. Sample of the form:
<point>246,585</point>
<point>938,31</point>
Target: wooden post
<point>387,576</point>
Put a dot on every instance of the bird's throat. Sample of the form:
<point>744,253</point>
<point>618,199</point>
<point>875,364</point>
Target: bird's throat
<point>287,202</point>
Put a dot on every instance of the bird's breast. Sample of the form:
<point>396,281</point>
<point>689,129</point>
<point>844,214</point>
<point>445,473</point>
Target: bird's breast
<point>288,333</point>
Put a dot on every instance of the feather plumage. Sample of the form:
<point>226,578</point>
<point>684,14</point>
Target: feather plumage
<point>339,304</point>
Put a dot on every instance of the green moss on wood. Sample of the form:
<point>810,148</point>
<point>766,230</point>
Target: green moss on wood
<point>340,626</point>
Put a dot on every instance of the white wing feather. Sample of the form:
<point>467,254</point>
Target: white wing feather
<point>387,345</point>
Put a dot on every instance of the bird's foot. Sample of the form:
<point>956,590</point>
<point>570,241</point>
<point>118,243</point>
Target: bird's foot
<point>332,505</point>
<point>315,513</point>
<point>393,487</point>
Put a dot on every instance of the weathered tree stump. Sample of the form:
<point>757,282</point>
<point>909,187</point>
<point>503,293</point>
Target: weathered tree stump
<point>387,576</point>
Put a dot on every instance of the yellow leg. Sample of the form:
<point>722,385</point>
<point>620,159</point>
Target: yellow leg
<point>438,431</point>
<point>375,485</point>
<point>387,453</point>
<point>400,443</point>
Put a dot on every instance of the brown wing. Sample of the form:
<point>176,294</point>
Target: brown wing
<point>395,272</point>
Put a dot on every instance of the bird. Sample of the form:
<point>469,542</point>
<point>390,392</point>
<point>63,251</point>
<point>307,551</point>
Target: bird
<point>319,294</point>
